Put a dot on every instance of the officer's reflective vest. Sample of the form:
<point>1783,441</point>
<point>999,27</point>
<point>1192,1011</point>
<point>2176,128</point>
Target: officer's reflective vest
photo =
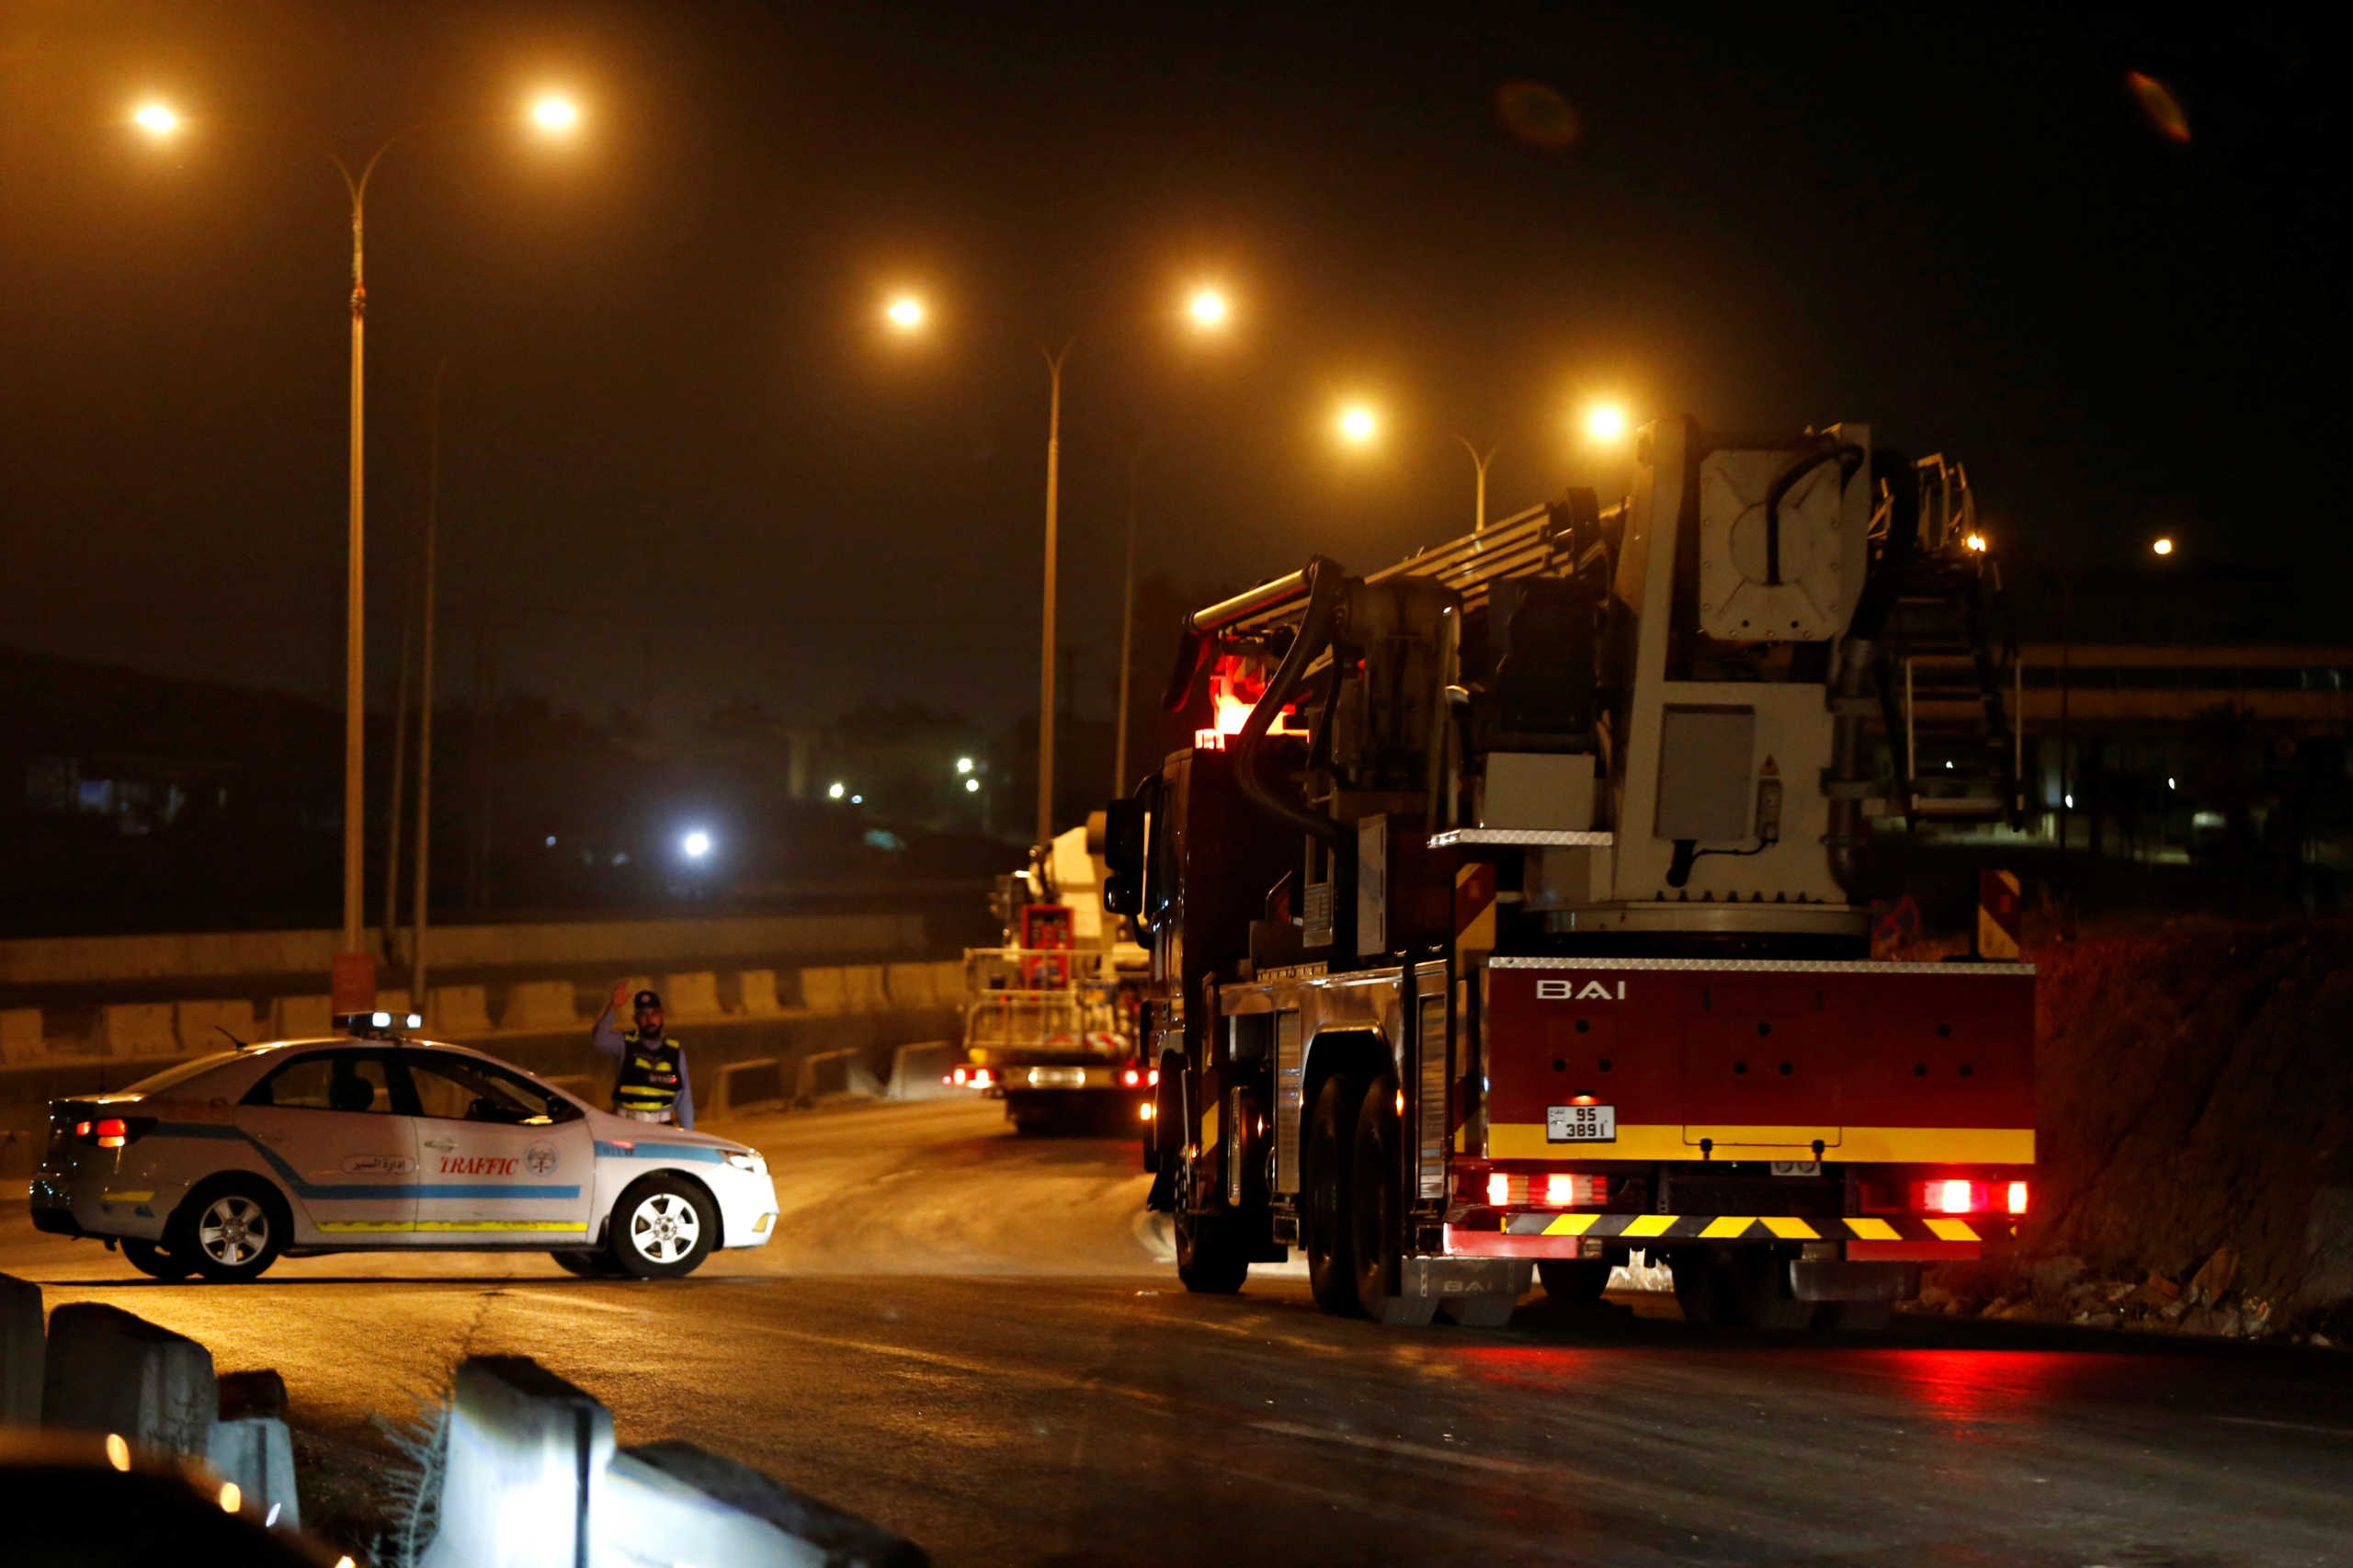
<point>650,1074</point>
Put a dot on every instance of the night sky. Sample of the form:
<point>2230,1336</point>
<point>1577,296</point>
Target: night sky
<point>685,464</point>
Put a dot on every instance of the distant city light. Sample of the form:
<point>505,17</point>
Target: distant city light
<point>2171,785</point>
<point>1605,422</point>
<point>835,791</point>
<point>551,840</point>
<point>1208,307</point>
<point>555,113</point>
<point>971,786</point>
<point>1976,542</point>
<point>964,764</point>
<point>156,119</point>
<point>858,799</point>
<point>2162,545</point>
<point>697,843</point>
<point>2067,801</point>
<point>1358,423</point>
<point>906,312</point>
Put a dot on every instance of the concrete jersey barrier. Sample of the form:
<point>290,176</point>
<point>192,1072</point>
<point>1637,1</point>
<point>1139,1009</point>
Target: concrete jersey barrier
<point>533,1479</point>
<point>23,1350</point>
<point>540,1004</point>
<point>109,1371</point>
<point>457,1010</point>
<point>691,995</point>
<point>136,1028</point>
<point>20,1035</point>
<point>917,1071</point>
<point>757,989</point>
<point>212,1026</point>
<point>301,1017</point>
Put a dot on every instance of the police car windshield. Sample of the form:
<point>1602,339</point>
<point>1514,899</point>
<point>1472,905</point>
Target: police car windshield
<point>173,1077</point>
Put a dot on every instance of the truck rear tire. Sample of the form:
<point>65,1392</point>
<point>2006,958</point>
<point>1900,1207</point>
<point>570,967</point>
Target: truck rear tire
<point>1573,1281</point>
<point>1210,1258</point>
<point>1375,1233</point>
<point>1324,1220</point>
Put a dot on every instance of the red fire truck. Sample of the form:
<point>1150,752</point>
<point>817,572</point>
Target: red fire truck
<point>1517,927</point>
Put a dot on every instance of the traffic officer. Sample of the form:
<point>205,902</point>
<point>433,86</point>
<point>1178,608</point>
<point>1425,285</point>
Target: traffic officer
<point>651,1085</point>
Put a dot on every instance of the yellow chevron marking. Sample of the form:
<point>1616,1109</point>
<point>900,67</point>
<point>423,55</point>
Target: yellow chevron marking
<point>1952,1230</point>
<point>1727,1228</point>
<point>1874,1231</point>
<point>1570,1224</point>
<point>1791,1230</point>
<point>1650,1225</point>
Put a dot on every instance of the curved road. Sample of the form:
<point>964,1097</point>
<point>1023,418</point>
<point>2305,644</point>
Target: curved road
<point>969,1337</point>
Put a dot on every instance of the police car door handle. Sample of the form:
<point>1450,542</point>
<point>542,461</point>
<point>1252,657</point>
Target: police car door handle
<point>438,1142</point>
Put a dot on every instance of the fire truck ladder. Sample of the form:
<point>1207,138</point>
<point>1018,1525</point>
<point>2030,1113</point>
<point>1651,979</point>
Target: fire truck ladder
<point>1946,656</point>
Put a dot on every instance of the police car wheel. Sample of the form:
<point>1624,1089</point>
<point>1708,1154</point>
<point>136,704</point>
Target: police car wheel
<point>154,1262</point>
<point>663,1228</point>
<point>231,1231</point>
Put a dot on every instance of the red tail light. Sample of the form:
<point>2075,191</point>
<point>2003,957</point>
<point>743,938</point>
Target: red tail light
<point>1153,1077</point>
<point>112,1131</point>
<point>1554,1189</point>
<point>1131,1078</point>
<point>981,1079</point>
<point>1954,1196</point>
<point>961,1075</point>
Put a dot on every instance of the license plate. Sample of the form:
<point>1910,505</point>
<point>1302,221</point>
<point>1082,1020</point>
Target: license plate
<point>1058,1077</point>
<point>1581,1124</point>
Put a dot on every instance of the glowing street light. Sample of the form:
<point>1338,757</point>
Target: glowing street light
<point>1605,422</point>
<point>835,791</point>
<point>906,312</point>
<point>1358,425</point>
<point>696,844</point>
<point>964,764</point>
<point>352,958</point>
<point>971,786</point>
<point>2162,546</point>
<point>1208,307</point>
<point>1976,543</point>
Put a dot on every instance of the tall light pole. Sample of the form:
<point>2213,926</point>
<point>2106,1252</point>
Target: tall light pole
<point>1054,358</point>
<point>424,702</point>
<point>354,981</point>
<point>1127,633</point>
<point>1478,461</point>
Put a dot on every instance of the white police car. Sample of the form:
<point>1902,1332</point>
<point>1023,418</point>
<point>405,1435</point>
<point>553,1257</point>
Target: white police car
<point>220,1167</point>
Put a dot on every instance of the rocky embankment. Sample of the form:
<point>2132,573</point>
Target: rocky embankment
<point>2195,1112</point>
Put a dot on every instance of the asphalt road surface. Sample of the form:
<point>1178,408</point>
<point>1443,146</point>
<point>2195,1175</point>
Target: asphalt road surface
<point>969,1337</point>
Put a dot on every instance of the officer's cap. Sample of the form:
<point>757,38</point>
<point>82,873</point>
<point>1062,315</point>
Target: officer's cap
<point>645,999</point>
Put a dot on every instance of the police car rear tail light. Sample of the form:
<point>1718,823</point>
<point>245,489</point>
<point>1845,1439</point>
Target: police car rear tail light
<point>112,1131</point>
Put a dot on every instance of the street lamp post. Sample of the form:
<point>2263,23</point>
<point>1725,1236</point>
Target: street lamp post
<point>1479,461</point>
<point>354,969</point>
<point>1054,358</point>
